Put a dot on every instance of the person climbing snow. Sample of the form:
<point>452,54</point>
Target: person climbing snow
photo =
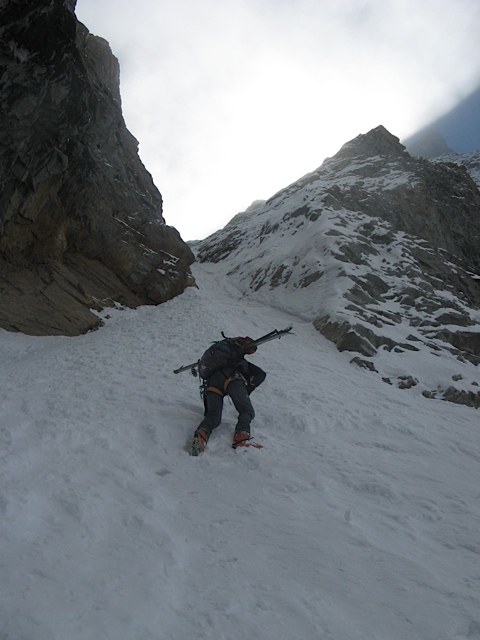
<point>226,372</point>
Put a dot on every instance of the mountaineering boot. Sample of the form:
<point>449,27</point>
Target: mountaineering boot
<point>240,439</point>
<point>199,442</point>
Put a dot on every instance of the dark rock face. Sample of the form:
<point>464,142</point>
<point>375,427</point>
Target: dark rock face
<point>377,249</point>
<point>81,222</point>
<point>437,202</point>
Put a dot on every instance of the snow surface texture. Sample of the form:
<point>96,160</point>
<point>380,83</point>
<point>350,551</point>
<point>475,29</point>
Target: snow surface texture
<point>359,520</point>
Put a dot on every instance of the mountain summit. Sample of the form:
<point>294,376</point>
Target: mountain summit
<point>379,250</point>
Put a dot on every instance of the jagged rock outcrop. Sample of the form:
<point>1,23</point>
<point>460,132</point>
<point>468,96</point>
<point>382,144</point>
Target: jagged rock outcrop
<point>437,202</point>
<point>378,249</point>
<point>81,223</point>
<point>470,161</point>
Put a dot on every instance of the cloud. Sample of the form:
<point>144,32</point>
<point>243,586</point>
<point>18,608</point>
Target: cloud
<point>232,100</point>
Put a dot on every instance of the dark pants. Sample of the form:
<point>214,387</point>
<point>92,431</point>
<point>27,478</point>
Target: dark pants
<point>214,406</point>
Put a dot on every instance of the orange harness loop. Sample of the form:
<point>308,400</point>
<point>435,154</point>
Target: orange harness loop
<point>215,390</point>
<point>225,386</point>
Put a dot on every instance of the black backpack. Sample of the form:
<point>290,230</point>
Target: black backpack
<point>224,353</point>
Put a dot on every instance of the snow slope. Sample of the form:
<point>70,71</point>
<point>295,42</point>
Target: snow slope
<point>359,520</point>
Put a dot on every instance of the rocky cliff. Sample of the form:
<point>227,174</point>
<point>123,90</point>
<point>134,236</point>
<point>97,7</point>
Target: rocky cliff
<point>378,249</point>
<point>81,224</point>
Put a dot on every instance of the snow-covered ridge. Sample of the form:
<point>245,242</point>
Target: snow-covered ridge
<point>471,162</point>
<point>339,248</point>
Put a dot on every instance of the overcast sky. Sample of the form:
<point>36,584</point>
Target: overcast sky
<point>232,100</point>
